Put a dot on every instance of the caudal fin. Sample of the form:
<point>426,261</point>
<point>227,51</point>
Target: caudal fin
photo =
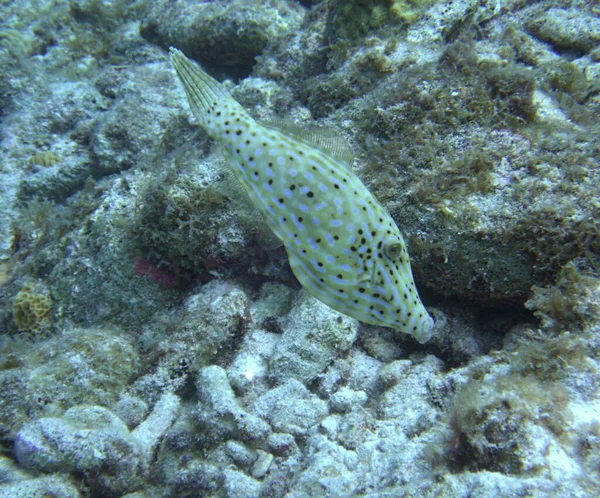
<point>204,93</point>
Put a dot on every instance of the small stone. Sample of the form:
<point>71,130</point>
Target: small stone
<point>262,464</point>
<point>291,408</point>
<point>346,399</point>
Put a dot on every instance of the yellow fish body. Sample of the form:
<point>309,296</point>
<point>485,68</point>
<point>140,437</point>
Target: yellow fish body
<point>343,246</point>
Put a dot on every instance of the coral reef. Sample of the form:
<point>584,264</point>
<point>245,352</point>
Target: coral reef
<point>49,376</point>
<point>154,342</point>
<point>241,29</point>
<point>31,309</point>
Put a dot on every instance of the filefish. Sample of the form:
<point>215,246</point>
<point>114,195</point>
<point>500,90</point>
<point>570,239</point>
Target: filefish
<point>342,244</point>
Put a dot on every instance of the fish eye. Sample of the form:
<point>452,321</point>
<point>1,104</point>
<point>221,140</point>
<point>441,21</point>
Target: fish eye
<point>392,248</point>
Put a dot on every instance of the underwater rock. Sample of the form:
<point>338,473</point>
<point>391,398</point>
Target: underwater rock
<point>313,336</point>
<point>237,483</point>
<point>566,29</point>
<point>291,408</point>
<point>408,401</point>
<point>41,487</point>
<point>63,121</point>
<point>331,470</point>
<point>240,29</point>
<point>216,315</point>
<point>220,411</point>
<point>249,371</point>
<point>56,182</point>
<point>10,471</point>
<point>127,131</point>
<point>87,439</point>
<point>346,399</point>
<point>94,442</point>
<point>79,366</point>
<point>273,303</point>
<point>211,321</point>
<point>242,455</point>
<point>150,432</point>
<point>131,410</point>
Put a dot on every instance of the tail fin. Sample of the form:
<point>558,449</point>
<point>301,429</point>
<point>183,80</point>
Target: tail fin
<point>205,94</point>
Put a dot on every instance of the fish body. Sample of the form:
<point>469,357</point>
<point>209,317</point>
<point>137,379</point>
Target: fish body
<point>342,244</point>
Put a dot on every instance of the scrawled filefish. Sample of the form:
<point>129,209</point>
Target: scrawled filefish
<point>343,246</point>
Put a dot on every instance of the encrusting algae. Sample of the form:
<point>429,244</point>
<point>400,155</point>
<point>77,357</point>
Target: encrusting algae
<point>342,244</point>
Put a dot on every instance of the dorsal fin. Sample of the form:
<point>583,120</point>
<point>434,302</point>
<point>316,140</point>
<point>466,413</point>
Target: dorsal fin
<point>324,139</point>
